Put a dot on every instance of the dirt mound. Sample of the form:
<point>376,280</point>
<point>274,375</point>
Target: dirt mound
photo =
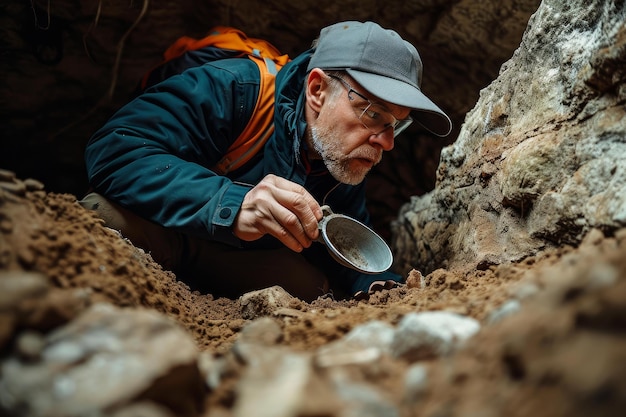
<point>552,341</point>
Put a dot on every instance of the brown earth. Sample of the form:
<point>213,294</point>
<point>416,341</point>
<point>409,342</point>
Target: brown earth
<point>564,353</point>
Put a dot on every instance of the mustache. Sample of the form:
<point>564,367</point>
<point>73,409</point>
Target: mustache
<point>371,155</point>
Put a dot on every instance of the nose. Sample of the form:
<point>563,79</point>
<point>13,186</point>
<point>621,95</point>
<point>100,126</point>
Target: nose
<point>384,139</point>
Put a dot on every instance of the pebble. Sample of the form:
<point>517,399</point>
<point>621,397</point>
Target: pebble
<point>507,309</point>
<point>18,285</point>
<point>430,334</point>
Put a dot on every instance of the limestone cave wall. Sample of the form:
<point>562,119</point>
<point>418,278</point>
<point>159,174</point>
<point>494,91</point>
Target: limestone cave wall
<point>541,159</point>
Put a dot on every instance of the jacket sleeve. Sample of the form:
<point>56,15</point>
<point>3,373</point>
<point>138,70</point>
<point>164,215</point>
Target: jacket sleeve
<point>153,156</point>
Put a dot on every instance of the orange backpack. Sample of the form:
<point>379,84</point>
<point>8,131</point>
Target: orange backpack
<point>227,42</point>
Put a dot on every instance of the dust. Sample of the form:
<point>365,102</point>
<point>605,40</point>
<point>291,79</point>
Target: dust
<point>347,246</point>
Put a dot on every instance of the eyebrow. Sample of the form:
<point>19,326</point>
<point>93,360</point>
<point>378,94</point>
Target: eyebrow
<point>378,103</point>
<point>383,105</point>
<point>372,101</point>
<point>387,109</point>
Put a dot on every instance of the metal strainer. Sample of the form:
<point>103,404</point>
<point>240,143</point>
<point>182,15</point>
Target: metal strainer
<point>353,244</point>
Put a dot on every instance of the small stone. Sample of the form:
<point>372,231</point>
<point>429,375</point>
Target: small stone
<point>6,225</point>
<point>30,345</point>
<point>6,175</point>
<point>507,309</point>
<point>431,334</point>
<point>33,185</point>
<point>16,286</point>
<point>263,331</point>
<point>415,382</point>
<point>17,188</point>
<point>264,302</point>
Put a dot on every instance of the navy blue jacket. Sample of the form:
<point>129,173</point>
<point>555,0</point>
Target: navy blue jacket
<point>154,156</point>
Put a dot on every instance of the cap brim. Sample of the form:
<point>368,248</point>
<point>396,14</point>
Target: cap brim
<point>425,112</point>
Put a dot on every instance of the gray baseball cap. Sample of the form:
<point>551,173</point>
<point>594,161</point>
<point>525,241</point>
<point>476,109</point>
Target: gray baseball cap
<point>384,64</point>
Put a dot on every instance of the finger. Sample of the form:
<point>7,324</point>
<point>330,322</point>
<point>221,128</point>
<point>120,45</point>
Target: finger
<point>287,225</point>
<point>287,185</point>
<point>296,215</point>
<point>254,222</point>
<point>281,208</point>
<point>303,212</point>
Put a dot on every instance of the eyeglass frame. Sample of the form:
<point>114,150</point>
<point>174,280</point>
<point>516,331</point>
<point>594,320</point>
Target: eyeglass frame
<point>398,126</point>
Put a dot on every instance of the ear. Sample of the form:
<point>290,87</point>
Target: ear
<point>316,89</point>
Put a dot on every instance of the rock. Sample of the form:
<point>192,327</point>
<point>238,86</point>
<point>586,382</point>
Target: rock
<point>415,279</point>
<point>30,345</point>
<point>264,302</point>
<point>285,384</point>
<point>361,399</point>
<point>102,360</point>
<point>363,344</point>
<point>6,175</point>
<point>15,286</point>
<point>431,334</point>
<point>505,310</point>
<point>264,331</point>
<point>540,160</point>
<point>415,382</point>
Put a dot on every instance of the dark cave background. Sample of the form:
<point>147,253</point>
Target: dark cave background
<point>68,65</point>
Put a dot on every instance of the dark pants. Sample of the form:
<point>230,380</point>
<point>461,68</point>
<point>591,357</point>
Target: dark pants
<point>211,267</point>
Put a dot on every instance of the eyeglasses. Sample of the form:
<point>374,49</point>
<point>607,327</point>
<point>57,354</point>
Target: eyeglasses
<point>373,116</point>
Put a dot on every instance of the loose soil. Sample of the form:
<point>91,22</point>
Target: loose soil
<point>563,353</point>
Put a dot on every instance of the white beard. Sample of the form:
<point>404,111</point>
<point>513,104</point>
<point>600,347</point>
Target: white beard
<point>326,144</point>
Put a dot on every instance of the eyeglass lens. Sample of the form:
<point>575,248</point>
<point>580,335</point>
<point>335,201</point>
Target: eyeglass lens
<point>373,116</point>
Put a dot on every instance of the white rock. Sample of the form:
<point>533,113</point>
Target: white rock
<point>430,334</point>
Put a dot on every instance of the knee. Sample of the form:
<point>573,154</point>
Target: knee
<point>112,214</point>
<point>164,245</point>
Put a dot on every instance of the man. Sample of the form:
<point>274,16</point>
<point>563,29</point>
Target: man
<point>338,107</point>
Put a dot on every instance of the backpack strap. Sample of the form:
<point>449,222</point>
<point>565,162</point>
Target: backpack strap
<point>261,124</point>
<point>227,42</point>
<point>225,37</point>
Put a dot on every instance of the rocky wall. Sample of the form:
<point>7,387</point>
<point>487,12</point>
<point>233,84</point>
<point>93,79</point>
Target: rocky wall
<point>541,158</point>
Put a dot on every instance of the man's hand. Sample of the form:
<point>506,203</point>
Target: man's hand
<point>282,209</point>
